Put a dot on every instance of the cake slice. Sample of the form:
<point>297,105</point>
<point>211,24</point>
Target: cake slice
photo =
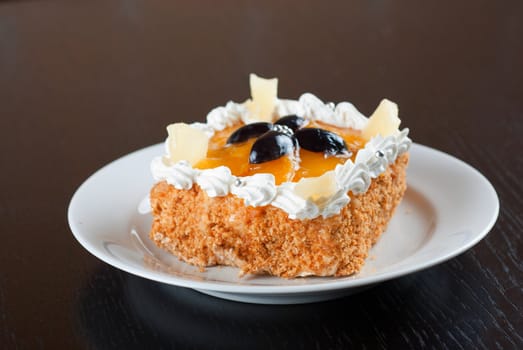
<point>284,187</point>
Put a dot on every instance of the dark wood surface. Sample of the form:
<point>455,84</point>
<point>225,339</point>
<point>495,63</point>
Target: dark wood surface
<point>84,82</point>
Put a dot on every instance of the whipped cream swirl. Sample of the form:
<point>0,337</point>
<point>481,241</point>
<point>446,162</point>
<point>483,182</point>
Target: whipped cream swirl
<point>215,182</point>
<point>353,177</point>
<point>181,175</point>
<point>343,115</point>
<point>256,190</point>
<point>260,189</point>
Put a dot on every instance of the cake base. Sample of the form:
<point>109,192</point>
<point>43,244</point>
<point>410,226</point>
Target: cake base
<point>206,231</point>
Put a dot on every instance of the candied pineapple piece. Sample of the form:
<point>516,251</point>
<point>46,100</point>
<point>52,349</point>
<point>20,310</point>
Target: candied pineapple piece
<point>186,143</point>
<point>264,94</point>
<point>316,188</point>
<point>383,121</point>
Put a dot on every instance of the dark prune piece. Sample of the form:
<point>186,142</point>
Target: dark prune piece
<point>270,146</point>
<point>249,131</point>
<point>292,121</point>
<point>320,140</point>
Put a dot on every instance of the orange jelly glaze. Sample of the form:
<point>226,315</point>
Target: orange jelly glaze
<point>286,168</point>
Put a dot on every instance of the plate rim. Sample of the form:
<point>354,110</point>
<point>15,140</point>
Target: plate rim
<point>246,289</point>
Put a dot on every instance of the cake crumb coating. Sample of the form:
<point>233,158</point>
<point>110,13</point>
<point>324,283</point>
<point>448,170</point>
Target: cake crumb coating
<point>206,231</point>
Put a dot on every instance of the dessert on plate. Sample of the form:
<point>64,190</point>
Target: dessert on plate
<point>290,188</point>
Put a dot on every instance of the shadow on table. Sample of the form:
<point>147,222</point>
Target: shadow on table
<point>118,310</point>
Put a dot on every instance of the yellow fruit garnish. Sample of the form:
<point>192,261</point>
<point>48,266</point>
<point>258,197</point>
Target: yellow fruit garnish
<point>316,188</point>
<point>383,121</point>
<point>186,143</point>
<point>264,94</point>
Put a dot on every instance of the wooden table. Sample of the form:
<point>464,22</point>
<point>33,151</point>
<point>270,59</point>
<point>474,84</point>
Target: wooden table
<point>82,83</point>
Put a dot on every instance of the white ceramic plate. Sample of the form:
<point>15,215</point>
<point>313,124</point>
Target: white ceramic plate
<point>448,207</point>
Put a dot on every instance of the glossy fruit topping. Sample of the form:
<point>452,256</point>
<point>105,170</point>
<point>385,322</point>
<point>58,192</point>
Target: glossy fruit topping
<point>249,131</point>
<point>321,140</point>
<point>292,121</point>
<point>270,146</point>
<point>291,167</point>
